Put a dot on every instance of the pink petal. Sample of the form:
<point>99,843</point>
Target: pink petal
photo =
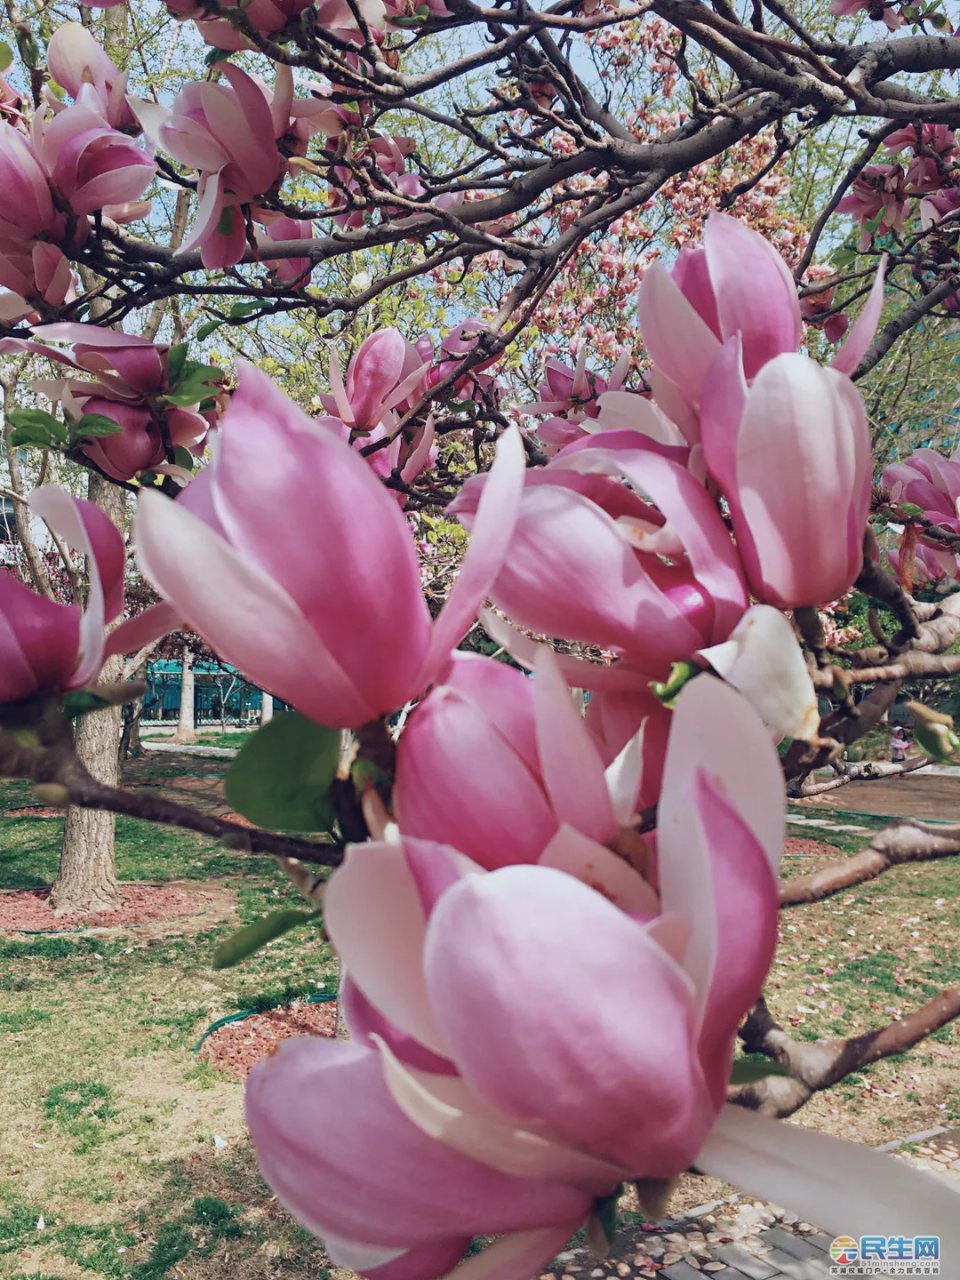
<point>368,1026</point>
<point>377,922</point>
<point>86,529</point>
<point>506,696</point>
<point>445,1109</point>
<point>746,904</point>
<point>692,274</point>
<point>865,327</point>
<point>570,763</point>
<point>451,759</point>
<point>599,869</point>
<point>518,1255</point>
<point>219,592</point>
<point>305,508</point>
<point>39,641</point>
<point>155,621</point>
<point>491,534</point>
<point>721,411</point>
<point>559,1009</point>
<point>756,295</point>
<point>677,340</point>
<point>340,1155</point>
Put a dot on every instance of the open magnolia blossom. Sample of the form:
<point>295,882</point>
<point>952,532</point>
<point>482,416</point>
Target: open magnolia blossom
<point>332,583</point>
<point>528,1037</point>
<point>50,646</point>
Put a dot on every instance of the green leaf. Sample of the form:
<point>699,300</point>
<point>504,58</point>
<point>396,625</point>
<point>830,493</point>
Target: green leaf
<point>744,1071</point>
<point>225,223</point>
<point>669,690</point>
<point>176,363</point>
<point>79,701</point>
<point>216,55</point>
<point>939,20</point>
<point>98,424</point>
<point>29,49</point>
<point>411,20</point>
<point>910,510</point>
<point>281,778</point>
<point>240,310</point>
<point>257,935</point>
<point>184,458</point>
<point>6,55</point>
<point>37,427</point>
<point>196,384</point>
<point>208,327</point>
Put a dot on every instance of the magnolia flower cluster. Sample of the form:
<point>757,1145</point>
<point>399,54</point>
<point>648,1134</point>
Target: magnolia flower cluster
<point>131,377</point>
<point>69,162</point>
<point>880,197</point>
<point>931,482</point>
<point>543,991</point>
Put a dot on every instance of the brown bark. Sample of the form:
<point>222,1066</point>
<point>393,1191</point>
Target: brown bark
<point>186,728</point>
<point>86,880</point>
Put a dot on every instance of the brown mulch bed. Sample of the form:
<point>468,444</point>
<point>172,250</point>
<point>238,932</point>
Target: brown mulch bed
<point>801,847</point>
<point>239,1046</point>
<point>27,911</point>
<point>32,811</point>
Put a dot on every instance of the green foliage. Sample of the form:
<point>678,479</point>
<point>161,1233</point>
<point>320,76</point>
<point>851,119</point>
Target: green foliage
<point>36,427</point>
<point>257,935</point>
<point>281,779</point>
<point>98,424</point>
<point>748,1070</point>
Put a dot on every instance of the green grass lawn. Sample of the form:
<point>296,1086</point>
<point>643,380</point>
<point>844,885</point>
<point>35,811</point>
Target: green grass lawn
<point>107,1119</point>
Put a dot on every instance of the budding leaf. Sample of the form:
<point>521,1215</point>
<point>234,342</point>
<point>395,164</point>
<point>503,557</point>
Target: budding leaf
<point>746,1072</point>
<point>184,458</point>
<point>98,424</point>
<point>29,49</point>
<point>240,310</point>
<point>6,55</point>
<point>36,427</point>
<point>281,778</point>
<point>210,326</point>
<point>910,510</point>
<point>669,690</point>
<point>176,363</point>
<point>257,935</point>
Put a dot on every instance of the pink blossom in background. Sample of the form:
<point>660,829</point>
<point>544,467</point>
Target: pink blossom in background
<point>928,480</point>
<point>890,16</point>
<point>931,567</point>
<point>289,270</point>
<point>386,372</point>
<point>130,373</point>
<point>877,192</point>
<point>74,59</point>
<point>242,540</point>
<point>49,646</point>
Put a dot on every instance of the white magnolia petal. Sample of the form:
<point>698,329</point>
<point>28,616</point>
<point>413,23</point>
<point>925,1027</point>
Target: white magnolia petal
<point>764,661</point>
<point>624,776</point>
<point>600,869</point>
<point>445,1109</point>
<point>841,1186</point>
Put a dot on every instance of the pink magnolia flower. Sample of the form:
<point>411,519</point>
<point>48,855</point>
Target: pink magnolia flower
<point>937,137</point>
<point>271,16</point>
<point>386,372</point>
<point>927,480</point>
<point>652,581</point>
<point>26,203</point>
<point>92,164</point>
<point>290,270</point>
<point>489,730</point>
<point>576,391</point>
<point>36,274</point>
<point>931,567</point>
<point>736,283</point>
<point>890,15</point>
<point>560,1023</point>
<point>44,645</point>
<point>74,59</point>
<point>792,456</point>
<point>131,373</point>
<point>241,543</point>
<point>228,133</point>
<point>878,192</point>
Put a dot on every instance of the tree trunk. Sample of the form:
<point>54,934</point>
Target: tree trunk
<point>186,729</point>
<point>266,706</point>
<point>86,880</point>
